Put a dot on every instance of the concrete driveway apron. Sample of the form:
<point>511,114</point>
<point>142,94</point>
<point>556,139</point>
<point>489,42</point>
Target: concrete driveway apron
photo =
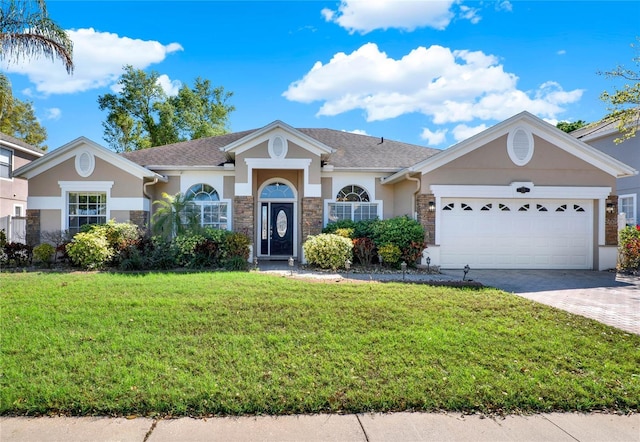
<point>607,297</point>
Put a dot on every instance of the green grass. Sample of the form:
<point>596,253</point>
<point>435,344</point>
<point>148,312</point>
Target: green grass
<point>245,343</point>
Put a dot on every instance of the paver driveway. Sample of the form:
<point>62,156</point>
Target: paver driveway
<point>607,297</point>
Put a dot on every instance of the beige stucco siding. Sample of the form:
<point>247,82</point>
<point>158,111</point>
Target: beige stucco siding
<point>124,184</point>
<point>50,220</point>
<point>491,165</point>
<point>401,199</point>
<point>229,187</point>
<point>121,216</point>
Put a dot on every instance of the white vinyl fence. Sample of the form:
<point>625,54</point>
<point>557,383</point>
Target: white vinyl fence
<point>15,227</point>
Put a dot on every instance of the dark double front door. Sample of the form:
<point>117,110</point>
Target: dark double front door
<point>276,230</point>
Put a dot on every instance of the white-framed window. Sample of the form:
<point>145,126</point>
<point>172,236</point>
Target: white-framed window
<point>86,208</point>
<point>211,212</point>
<point>6,162</point>
<point>18,210</point>
<point>352,202</point>
<point>627,204</point>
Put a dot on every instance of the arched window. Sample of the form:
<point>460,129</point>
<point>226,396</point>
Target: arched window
<point>209,209</point>
<point>352,202</point>
<point>277,191</point>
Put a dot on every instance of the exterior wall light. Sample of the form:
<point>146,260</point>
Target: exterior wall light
<point>611,207</point>
<point>432,206</point>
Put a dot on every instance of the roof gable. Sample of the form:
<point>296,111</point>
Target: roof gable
<point>277,128</point>
<point>69,150</point>
<point>538,128</point>
<point>15,143</point>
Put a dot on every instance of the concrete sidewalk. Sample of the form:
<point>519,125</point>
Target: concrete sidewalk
<point>361,427</point>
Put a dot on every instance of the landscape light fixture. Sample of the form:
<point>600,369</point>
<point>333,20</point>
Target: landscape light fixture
<point>291,265</point>
<point>428,264</point>
<point>403,266</point>
<point>347,265</point>
<point>255,263</point>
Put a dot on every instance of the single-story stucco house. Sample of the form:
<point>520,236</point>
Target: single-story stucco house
<point>521,194</point>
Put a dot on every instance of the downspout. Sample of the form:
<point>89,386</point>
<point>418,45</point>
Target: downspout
<point>415,194</point>
<point>146,193</point>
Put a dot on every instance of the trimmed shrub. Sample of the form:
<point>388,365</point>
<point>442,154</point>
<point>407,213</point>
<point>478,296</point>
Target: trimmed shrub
<point>629,249</point>
<point>413,252</point>
<point>237,246</point>
<point>364,250</point>
<point>345,232</point>
<point>400,231</point>
<point>89,250</point>
<point>17,254</point>
<point>44,253</point>
<point>327,251</point>
<point>361,229</point>
<point>391,254</point>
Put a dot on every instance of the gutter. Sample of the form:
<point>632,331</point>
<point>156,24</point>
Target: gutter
<point>415,194</point>
<point>151,183</point>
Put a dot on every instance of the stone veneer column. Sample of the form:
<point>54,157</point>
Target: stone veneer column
<point>33,227</point>
<point>425,217</point>
<point>311,217</point>
<point>140,218</point>
<point>243,219</point>
<point>611,222</point>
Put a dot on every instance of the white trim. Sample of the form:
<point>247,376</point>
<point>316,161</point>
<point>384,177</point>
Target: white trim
<point>36,153</point>
<point>11,164</point>
<point>258,217</point>
<point>634,198</point>
<point>82,186</point>
<point>511,149</point>
<point>22,211</point>
<point>128,204</point>
<point>68,151</point>
<point>285,147</point>
<point>92,163</point>
<point>536,192</point>
<point>538,128</point>
<point>45,202</point>
<point>310,190</point>
<point>259,136</point>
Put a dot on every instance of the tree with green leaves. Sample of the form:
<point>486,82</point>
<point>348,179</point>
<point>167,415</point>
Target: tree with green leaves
<point>19,120</point>
<point>142,115</point>
<point>175,215</point>
<point>624,104</point>
<point>27,31</point>
<point>568,126</point>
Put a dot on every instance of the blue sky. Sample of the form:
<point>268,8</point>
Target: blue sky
<point>425,72</point>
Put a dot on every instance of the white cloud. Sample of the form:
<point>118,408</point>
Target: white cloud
<point>449,86</point>
<point>561,52</point>
<point>433,138</point>
<point>471,14</point>
<point>462,131</point>
<point>357,131</point>
<point>98,58</point>
<point>366,16</point>
<point>504,6</point>
<point>53,113</point>
<point>170,87</point>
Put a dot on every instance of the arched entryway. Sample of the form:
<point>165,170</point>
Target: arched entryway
<point>277,232</point>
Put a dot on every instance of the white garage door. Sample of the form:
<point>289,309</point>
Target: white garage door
<point>516,233</point>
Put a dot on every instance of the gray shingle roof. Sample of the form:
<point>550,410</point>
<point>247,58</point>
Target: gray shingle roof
<point>352,150</point>
<point>20,143</point>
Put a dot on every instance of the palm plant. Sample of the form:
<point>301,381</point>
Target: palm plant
<point>175,215</point>
<point>26,31</point>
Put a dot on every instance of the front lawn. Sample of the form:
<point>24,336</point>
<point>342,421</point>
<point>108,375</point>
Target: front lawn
<point>245,343</point>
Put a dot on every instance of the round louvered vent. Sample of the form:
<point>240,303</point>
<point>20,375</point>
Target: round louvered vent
<point>85,163</point>
<point>277,147</point>
<point>520,146</point>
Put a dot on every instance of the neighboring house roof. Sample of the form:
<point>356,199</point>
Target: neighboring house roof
<point>15,143</point>
<point>342,150</point>
<point>598,129</point>
<point>539,128</point>
<point>68,151</point>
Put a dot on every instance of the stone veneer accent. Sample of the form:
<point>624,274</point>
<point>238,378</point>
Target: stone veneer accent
<point>243,221</point>
<point>33,227</point>
<point>611,222</point>
<point>426,218</point>
<point>311,217</point>
<point>140,218</point>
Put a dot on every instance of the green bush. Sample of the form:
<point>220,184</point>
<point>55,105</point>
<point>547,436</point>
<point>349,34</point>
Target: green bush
<point>360,229</point>
<point>44,253</point>
<point>17,254</point>
<point>400,231</point>
<point>345,232</point>
<point>629,249</point>
<point>237,246</point>
<point>391,254</point>
<point>89,250</point>
<point>327,251</point>
<point>162,254</point>
<point>364,250</point>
